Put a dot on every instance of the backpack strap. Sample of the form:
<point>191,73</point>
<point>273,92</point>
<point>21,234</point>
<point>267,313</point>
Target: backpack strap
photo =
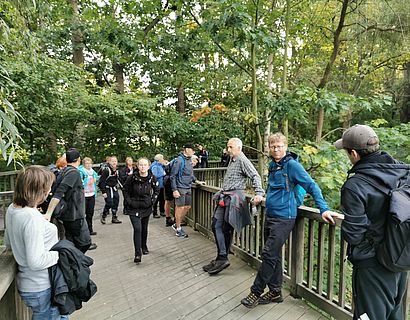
<point>373,182</point>
<point>291,184</point>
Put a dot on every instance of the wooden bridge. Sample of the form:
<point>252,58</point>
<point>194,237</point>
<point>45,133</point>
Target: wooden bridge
<point>170,282</point>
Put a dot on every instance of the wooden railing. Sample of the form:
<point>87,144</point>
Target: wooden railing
<point>7,182</point>
<point>11,305</point>
<point>314,261</point>
<point>314,266</point>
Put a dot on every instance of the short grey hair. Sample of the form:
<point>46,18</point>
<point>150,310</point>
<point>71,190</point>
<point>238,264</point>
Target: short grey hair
<point>158,157</point>
<point>238,142</point>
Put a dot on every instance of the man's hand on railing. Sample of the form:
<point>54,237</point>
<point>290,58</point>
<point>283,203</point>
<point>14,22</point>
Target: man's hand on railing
<point>257,200</point>
<point>329,215</point>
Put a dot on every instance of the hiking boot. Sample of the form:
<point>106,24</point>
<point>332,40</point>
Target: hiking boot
<point>208,266</point>
<point>271,297</point>
<point>219,266</point>
<point>145,251</point>
<point>251,301</point>
<point>169,222</point>
<point>115,220</point>
<point>156,215</point>
<point>137,259</point>
<point>93,246</point>
<point>102,219</point>
<point>181,234</point>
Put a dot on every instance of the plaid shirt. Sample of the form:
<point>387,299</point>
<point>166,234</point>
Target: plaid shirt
<point>239,169</point>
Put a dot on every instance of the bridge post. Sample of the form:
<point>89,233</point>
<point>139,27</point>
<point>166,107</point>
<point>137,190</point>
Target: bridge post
<point>297,255</point>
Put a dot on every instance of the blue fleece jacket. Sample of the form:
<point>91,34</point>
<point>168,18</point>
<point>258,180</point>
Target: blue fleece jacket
<point>280,198</point>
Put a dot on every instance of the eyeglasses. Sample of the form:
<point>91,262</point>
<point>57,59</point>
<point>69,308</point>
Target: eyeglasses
<point>277,147</point>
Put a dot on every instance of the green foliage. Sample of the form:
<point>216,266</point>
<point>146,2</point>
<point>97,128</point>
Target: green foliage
<point>394,140</point>
<point>328,168</point>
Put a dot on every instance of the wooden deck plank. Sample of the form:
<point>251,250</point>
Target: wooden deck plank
<point>170,282</point>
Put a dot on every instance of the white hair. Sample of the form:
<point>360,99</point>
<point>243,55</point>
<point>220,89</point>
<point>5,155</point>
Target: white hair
<point>238,142</point>
<point>158,157</point>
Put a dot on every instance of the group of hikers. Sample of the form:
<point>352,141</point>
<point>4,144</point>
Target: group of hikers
<point>378,290</point>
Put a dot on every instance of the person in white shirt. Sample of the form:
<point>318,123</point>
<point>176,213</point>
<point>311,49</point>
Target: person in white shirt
<point>30,237</point>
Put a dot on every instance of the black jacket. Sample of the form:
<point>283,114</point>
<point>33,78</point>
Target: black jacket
<point>140,193</point>
<point>124,173</point>
<point>109,178</point>
<point>70,278</point>
<point>365,207</point>
<point>71,191</point>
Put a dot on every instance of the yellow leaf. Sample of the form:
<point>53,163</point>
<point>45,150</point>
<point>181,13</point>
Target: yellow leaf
<point>310,150</point>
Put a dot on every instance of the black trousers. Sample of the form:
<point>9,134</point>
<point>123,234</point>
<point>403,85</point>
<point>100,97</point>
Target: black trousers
<point>270,273</point>
<point>222,230</point>
<point>111,202</point>
<point>160,201</point>
<point>140,226</point>
<point>89,211</point>
<point>378,293</point>
<point>77,232</point>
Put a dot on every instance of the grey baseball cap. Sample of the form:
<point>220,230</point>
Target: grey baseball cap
<point>356,137</point>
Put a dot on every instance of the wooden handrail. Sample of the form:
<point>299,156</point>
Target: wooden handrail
<point>315,267</point>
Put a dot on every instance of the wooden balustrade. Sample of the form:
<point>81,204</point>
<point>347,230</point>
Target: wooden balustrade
<point>314,264</point>
<point>314,261</point>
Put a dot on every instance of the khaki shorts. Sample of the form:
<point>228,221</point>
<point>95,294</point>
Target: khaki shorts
<point>184,199</point>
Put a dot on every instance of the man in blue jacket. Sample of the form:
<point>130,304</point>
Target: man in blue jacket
<point>285,172</point>
<point>182,176</point>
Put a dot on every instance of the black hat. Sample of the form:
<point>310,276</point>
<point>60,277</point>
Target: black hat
<point>189,145</point>
<point>72,155</point>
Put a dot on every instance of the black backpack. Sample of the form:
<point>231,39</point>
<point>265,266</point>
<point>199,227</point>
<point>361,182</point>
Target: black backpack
<point>62,205</point>
<point>394,251</point>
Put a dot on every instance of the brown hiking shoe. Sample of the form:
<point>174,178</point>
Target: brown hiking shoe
<point>271,297</point>
<point>251,301</point>
<point>115,220</point>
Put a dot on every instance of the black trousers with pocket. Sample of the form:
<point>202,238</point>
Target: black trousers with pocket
<point>140,226</point>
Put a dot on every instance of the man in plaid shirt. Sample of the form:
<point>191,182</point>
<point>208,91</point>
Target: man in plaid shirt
<point>225,218</point>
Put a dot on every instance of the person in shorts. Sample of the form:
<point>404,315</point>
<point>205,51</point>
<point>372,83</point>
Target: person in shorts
<point>182,176</point>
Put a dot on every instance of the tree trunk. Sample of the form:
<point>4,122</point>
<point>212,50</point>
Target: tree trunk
<point>405,108</point>
<point>259,141</point>
<point>328,69</point>
<point>268,121</point>
<point>181,98</point>
<point>284,125</point>
<point>119,76</point>
<point>77,38</point>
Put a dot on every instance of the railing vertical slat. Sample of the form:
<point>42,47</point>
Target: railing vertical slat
<point>296,263</point>
<point>311,253</point>
<point>331,262</point>
<point>342,273</point>
<point>320,256</point>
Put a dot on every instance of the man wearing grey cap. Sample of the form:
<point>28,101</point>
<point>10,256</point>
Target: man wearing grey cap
<point>378,293</point>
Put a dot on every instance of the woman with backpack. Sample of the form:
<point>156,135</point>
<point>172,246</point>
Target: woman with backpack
<point>141,191</point>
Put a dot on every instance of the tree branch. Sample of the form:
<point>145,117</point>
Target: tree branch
<point>221,48</point>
